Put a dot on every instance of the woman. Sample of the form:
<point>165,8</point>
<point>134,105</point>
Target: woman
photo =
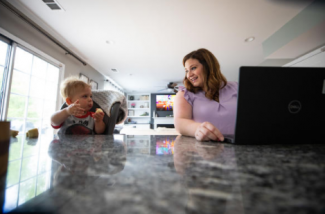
<point>206,107</point>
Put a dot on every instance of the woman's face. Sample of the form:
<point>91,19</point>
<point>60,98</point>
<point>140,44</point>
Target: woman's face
<point>194,72</point>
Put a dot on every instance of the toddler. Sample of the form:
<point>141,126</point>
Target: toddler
<point>77,118</point>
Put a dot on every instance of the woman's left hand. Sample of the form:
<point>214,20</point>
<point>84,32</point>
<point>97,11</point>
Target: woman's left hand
<point>207,131</point>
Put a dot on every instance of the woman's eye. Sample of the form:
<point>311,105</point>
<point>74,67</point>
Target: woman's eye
<point>193,68</point>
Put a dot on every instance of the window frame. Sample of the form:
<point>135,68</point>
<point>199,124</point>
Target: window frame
<point>17,42</point>
<point>5,75</point>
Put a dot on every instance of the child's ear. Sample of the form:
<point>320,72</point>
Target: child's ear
<point>68,101</point>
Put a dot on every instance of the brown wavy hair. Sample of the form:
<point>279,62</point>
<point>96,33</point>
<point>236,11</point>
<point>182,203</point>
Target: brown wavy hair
<point>214,80</point>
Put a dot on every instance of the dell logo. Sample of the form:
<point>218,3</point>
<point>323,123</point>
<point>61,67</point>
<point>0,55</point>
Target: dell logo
<point>294,106</point>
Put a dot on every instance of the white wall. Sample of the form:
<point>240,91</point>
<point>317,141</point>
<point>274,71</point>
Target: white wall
<point>19,28</point>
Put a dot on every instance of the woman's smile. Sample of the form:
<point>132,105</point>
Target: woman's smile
<point>194,72</point>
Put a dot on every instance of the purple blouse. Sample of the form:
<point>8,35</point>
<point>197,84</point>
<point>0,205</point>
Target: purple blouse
<point>221,114</point>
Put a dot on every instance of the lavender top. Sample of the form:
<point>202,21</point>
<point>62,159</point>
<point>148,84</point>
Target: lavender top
<point>221,114</point>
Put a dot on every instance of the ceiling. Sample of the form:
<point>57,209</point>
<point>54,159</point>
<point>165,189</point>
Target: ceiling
<point>151,37</point>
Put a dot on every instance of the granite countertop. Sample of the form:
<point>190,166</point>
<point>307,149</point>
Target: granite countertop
<point>162,174</point>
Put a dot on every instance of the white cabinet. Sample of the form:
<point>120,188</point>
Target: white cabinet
<point>138,111</point>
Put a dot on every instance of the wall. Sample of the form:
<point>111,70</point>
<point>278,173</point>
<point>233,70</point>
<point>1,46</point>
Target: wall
<point>19,28</point>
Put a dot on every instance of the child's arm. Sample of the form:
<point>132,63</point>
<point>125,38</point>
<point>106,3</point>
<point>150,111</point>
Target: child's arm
<point>99,123</point>
<point>60,116</point>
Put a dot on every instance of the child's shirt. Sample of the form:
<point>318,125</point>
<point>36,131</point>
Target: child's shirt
<point>77,125</point>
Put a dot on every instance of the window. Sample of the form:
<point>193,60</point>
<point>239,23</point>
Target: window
<point>28,103</point>
<point>33,93</point>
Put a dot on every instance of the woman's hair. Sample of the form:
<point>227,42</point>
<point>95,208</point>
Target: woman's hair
<point>214,80</point>
<point>70,85</point>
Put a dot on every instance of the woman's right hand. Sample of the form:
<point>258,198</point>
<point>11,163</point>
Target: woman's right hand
<point>206,131</point>
<point>75,109</point>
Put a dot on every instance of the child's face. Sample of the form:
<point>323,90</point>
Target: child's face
<point>85,98</point>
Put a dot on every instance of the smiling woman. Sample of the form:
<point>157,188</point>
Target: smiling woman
<point>206,107</point>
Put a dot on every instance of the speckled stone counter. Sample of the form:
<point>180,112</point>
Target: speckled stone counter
<point>163,174</point>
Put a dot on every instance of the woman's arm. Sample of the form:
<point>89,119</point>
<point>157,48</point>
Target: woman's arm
<point>185,125</point>
<point>183,116</point>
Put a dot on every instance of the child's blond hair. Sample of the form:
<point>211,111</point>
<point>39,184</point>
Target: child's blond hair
<point>70,85</point>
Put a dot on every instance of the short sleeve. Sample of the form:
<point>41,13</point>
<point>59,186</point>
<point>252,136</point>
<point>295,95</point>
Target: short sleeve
<point>234,86</point>
<point>187,95</point>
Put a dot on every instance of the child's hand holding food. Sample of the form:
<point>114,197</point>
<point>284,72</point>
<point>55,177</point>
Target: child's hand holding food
<point>99,115</point>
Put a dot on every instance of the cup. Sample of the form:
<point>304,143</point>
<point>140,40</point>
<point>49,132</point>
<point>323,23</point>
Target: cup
<point>4,155</point>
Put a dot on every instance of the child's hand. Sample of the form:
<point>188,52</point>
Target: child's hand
<point>75,110</point>
<point>98,116</point>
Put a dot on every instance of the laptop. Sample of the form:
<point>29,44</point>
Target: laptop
<point>280,105</point>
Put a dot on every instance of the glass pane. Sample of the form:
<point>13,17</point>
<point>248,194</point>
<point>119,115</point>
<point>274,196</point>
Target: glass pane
<point>39,67</point>
<point>46,141</point>
<point>43,164</point>
<point>35,107</point>
<point>49,109</point>
<point>31,124</point>
<point>17,125</point>
<point>29,168</point>
<point>23,60</point>
<point>11,199</point>
<point>3,52</point>
<point>52,73</point>
<point>42,184</point>
<point>37,86</point>
<point>26,191</point>
<point>15,147</point>
<point>20,83</point>
<point>16,106</point>
<point>46,127</point>
<point>31,146</point>
<point>23,126</point>
<point>13,173</point>
<point>51,91</point>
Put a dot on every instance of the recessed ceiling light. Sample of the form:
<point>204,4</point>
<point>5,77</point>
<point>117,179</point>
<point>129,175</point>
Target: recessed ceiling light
<point>110,42</point>
<point>114,70</point>
<point>250,39</point>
